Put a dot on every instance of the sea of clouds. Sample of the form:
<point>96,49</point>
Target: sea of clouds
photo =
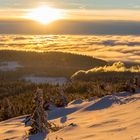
<point>107,47</point>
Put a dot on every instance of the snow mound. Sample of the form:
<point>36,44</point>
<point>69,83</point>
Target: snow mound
<point>104,103</point>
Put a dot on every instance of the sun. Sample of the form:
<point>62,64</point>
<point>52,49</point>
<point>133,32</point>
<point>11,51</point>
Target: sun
<point>44,15</point>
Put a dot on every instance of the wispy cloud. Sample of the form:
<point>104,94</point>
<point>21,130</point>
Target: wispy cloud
<point>104,14</point>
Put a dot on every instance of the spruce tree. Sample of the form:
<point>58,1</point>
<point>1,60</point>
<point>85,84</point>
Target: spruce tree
<point>63,97</point>
<point>7,109</point>
<point>39,118</point>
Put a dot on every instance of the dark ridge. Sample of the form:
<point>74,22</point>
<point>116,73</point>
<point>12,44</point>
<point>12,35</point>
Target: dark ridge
<point>49,63</point>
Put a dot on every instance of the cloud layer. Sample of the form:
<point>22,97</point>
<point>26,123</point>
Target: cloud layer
<point>108,47</point>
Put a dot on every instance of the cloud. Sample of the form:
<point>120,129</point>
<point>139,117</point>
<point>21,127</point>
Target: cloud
<point>108,47</point>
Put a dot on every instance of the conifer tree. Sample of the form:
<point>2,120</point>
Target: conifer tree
<point>39,118</point>
<point>7,109</point>
<point>63,97</point>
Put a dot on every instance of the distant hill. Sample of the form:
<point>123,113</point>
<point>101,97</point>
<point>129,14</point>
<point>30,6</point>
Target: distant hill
<point>48,63</point>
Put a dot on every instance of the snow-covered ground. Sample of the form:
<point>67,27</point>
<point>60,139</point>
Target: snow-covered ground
<point>50,80</point>
<point>9,66</point>
<point>113,117</point>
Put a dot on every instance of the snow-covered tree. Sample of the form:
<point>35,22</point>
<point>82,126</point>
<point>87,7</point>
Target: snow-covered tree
<point>7,109</point>
<point>63,97</point>
<point>39,118</point>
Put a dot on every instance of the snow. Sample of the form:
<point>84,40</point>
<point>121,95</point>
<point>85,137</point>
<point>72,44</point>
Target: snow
<point>78,101</point>
<point>13,129</point>
<point>113,117</point>
<point>50,80</point>
<point>9,66</point>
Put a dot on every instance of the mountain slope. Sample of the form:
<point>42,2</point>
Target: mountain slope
<point>111,117</point>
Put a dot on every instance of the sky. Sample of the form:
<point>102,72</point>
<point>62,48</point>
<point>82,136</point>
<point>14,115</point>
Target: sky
<point>13,14</point>
<point>116,21</point>
<point>74,8</point>
<point>72,4</point>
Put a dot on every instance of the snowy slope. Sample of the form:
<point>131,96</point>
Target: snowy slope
<point>114,117</point>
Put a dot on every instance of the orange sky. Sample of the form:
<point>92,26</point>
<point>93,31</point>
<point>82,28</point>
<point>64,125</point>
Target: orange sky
<point>14,16</point>
<point>84,14</point>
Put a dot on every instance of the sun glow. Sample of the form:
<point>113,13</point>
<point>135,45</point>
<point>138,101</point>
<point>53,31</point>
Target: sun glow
<point>45,14</point>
